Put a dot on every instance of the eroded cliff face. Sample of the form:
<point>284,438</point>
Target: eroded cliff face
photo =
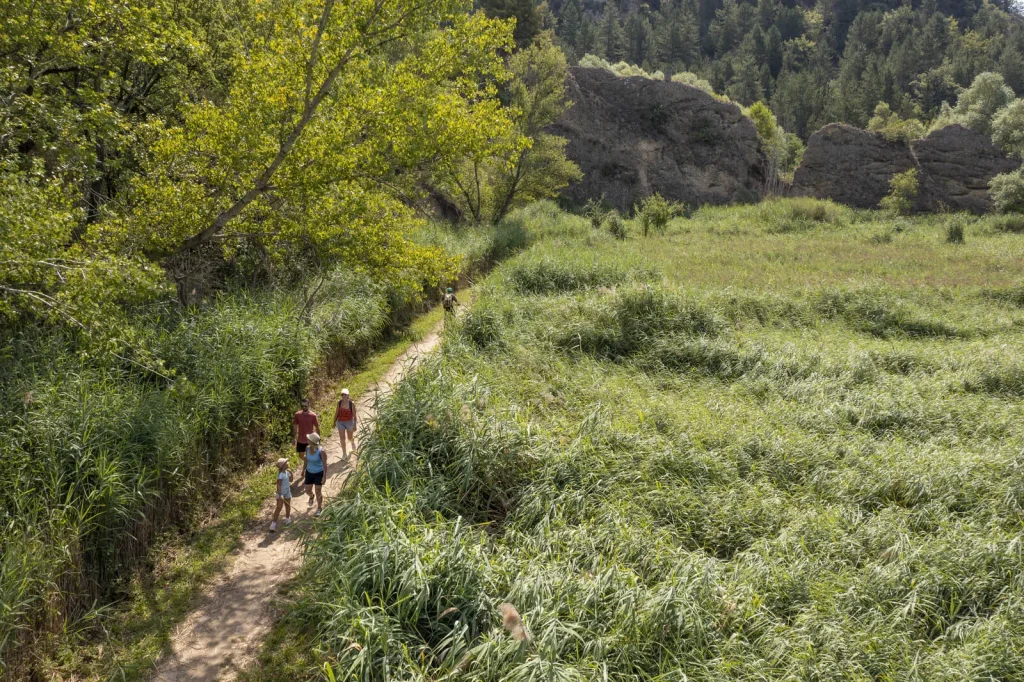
<point>634,136</point>
<point>957,165</point>
<point>854,166</point>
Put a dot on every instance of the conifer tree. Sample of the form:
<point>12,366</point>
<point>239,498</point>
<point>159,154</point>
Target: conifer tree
<point>612,39</point>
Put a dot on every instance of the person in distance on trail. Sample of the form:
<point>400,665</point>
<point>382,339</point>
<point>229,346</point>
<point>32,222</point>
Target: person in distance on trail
<point>305,421</point>
<point>284,494</point>
<point>345,418</point>
<point>314,462</point>
<point>449,301</point>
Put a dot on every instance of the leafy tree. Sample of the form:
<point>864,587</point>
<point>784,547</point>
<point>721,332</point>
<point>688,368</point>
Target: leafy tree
<point>45,274</point>
<point>783,150</point>
<point>530,17</point>
<point>82,79</point>
<point>1008,127</point>
<point>1007,192</point>
<point>978,104</point>
<point>321,140</point>
<point>532,163</point>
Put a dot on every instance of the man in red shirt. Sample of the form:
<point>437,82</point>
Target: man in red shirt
<point>304,423</point>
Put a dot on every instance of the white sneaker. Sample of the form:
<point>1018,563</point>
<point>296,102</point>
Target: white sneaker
<point>288,521</point>
<point>273,526</point>
<point>319,512</point>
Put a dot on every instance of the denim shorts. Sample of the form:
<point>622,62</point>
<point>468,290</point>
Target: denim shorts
<point>346,426</point>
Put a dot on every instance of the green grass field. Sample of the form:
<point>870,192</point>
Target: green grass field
<point>777,442</point>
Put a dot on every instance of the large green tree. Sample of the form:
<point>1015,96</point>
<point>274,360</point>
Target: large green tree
<point>305,140</point>
<point>530,164</point>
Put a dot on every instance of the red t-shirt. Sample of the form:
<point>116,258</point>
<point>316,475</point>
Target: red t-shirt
<point>307,423</point>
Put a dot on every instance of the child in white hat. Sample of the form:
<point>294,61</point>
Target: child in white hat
<point>284,494</point>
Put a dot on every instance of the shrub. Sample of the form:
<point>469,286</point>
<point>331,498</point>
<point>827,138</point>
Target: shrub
<point>545,275</point>
<point>616,226</point>
<point>955,231</point>
<point>1010,222</point>
<point>621,69</point>
<point>902,193</point>
<point>595,211</point>
<point>893,128</point>
<point>654,213</point>
<point>799,213</point>
<point>1007,192</point>
<point>694,81</point>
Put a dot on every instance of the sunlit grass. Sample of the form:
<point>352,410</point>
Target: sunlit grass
<point>765,445</point>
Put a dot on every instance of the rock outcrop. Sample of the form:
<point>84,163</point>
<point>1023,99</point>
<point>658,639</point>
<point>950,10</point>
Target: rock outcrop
<point>854,167</point>
<point>635,136</point>
<point>850,166</point>
<point>957,164</point>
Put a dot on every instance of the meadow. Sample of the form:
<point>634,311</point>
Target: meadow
<point>775,442</point>
<point>105,457</point>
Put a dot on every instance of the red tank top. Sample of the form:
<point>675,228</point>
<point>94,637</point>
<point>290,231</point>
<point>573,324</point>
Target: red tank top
<point>344,414</point>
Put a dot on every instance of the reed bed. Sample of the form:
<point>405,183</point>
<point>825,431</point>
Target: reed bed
<point>738,451</point>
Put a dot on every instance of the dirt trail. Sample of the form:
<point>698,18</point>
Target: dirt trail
<point>223,635</point>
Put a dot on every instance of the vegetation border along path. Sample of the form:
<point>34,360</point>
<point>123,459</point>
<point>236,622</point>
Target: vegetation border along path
<point>138,633</point>
<point>222,635</point>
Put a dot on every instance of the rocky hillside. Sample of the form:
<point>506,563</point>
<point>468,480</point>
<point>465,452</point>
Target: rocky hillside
<point>635,136</point>
<point>853,166</point>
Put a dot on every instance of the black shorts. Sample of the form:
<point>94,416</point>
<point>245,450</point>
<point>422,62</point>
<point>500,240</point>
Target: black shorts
<point>315,479</point>
<point>301,447</point>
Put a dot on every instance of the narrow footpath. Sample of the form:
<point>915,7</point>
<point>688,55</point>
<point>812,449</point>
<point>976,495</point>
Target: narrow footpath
<point>223,635</point>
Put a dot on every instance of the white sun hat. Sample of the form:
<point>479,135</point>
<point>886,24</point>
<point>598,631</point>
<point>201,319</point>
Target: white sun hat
<point>313,438</point>
<point>282,461</point>
<point>344,391</point>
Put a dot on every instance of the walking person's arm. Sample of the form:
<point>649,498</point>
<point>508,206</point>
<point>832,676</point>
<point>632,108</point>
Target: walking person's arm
<point>355,416</point>
<point>316,424</point>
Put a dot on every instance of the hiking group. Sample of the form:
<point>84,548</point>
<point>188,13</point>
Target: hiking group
<point>307,440</point>
<point>308,443</point>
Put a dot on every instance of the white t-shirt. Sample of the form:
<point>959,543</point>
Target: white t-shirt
<point>285,485</point>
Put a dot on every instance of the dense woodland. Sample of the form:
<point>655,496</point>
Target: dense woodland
<point>814,62</point>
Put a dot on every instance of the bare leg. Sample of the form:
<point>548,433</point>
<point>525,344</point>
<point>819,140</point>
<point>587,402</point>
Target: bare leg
<point>287,508</point>
<point>319,498</point>
<point>277,510</point>
<point>309,491</point>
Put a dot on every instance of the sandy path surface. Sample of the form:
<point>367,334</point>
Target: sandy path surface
<point>223,635</point>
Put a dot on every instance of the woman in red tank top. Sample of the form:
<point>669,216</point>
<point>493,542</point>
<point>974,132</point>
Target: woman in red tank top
<point>345,418</point>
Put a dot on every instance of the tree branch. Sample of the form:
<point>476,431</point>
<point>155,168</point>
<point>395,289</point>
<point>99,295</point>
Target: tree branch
<point>49,301</point>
